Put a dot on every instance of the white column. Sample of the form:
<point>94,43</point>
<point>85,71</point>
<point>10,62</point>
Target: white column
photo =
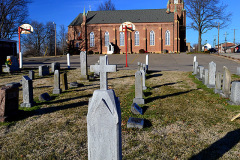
<point>20,59</point>
<point>68,60</point>
<point>147,56</point>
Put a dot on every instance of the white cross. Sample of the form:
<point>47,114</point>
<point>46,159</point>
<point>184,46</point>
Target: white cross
<point>103,69</point>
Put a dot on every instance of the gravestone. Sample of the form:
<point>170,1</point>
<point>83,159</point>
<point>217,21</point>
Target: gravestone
<point>226,83</point>
<point>75,85</point>
<point>103,70</point>
<point>238,70</point>
<point>27,89</point>
<point>64,81</point>
<point>68,60</point>
<point>136,109</point>
<point>13,67</point>
<point>104,118</point>
<point>205,77</point>
<point>56,87</point>
<point>199,72</point>
<point>195,65</point>
<point>138,89</point>
<point>83,61</point>
<point>13,84</point>
<point>55,66</point>
<point>44,97</point>
<point>110,48</point>
<point>218,83</point>
<point>32,75</point>
<point>211,75</point>
<point>235,93</point>
<point>135,123</point>
<point>43,70</point>
<point>143,76</point>
<point>9,97</point>
<point>147,59</point>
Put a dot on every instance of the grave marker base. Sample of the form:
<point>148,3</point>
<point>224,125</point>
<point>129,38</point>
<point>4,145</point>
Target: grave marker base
<point>139,100</point>
<point>57,91</point>
<point>135,123</point>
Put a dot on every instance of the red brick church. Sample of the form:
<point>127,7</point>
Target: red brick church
<point>157,30</point>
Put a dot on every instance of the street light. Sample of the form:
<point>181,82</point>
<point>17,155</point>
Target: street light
<point>55,39</point>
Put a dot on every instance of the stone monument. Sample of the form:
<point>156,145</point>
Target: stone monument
<point>56,88</point>
<point>104,118</point>
<point>27,88</point>
<point>235,93</point>
<point>218,83</point>
<point>226,83</point>
<point>138,89</point>
<point>211,75</point>
<point>55,66</point>
<point>64,81</point>
<point>13,67</point>
<point>205,77</point>
<point>83,61</point>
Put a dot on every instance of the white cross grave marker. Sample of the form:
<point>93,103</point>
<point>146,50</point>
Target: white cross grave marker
<point>103,69</point>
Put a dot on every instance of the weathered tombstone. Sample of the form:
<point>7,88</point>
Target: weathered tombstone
<point>43,70</point>
<point>44,97</point>
<point>205,77</point>
<point>226,83</point>
<point>103,69</point>
<point>139,66</point>
<point>200,72</point>
<point>9,97</point>
<point>68,60</point>
<point>136,109</point>
<point>195,68</point>
<point>143,77</point>
<point>238,70</point>
<point>147,59</point>
<point>211,75</point>
<point>57,89</point>
<point>138,89</point>
<point>135,123</point>
<point>218,83</point>
<point>32,75</point>
<point>75,85</point>
<point>104,119</point>
<point>55,66</point>
<point>27,88</point>
<point>235,93</point>
<point>84,70</point>
<point>13,67</point>
<point>110,48</point>
<point>13,84</point>
<point>64,81</point>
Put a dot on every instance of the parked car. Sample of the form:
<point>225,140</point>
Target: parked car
<point>238,49</point>
<point>212,50</point>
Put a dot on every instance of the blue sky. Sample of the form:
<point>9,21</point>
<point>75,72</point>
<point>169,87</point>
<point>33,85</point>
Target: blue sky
<point>64,12</point>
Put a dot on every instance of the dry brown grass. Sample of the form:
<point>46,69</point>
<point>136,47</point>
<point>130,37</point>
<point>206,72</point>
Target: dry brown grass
<point>183,120</point>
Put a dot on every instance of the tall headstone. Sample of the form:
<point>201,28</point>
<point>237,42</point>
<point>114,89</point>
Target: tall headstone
<point>143,77</point>
<point>9,97</point>
<point>55,66</point>
<point>43,70</point>
<point>83,61</point>
<point>147,60</point>
<point>138,89</point>
<point>235,93</point>
<point>226,83</point>
<point>103,69</point>
<point>211,75</point>
<point>238,70</point>
<point>68,60</point>
<point>195,65</point>
<point>32,75</point>
<point>64,81</point>
<point>218,83</point>
<point>200,72</point>
<point>56,87</point>
<point>104,118</point>
<point>27,87</point>
<point>205,77</point>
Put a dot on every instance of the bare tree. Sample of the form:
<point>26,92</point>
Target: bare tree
<point>106,6</point>
<point>63,39</point>
<point>206,15</point>
<point>13,13</point>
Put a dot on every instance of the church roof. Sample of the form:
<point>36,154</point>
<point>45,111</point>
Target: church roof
<point>120,16</point>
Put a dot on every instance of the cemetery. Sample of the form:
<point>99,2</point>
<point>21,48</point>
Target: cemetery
<point>56,112</point>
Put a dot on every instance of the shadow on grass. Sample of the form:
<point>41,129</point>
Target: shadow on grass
<point>220,147</point>
<point>144,109</point>
<point>42,87</point>
<point>121,77</point>
<point>147,123</point>
<point>151,99</point>
<point>153,75</point>
<point>166,84</point>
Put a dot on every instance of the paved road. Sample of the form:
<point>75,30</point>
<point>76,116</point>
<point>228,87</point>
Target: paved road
<point>164,62</point>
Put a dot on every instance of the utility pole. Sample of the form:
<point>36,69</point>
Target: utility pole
<point>218,37</point>
<point>214,41</point>
<point>55,39</point>
<point>226,41</point>
<point>234,36</point>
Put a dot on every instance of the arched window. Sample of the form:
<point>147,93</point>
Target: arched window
<point>106,38</point>
<point>92,43</point>
<point>175,1</point>
<point>121,38</point>
<point>152,38</point>
<point>136,38</point>
<point>167,38</point>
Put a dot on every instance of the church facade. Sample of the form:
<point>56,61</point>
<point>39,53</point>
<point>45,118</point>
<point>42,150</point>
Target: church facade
<point>156,30</point>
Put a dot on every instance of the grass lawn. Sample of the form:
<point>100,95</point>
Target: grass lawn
<point>184,120</point>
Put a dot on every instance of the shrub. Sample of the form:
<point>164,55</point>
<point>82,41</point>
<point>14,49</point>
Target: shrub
<point>90,52</point>
<point>141,51</point>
